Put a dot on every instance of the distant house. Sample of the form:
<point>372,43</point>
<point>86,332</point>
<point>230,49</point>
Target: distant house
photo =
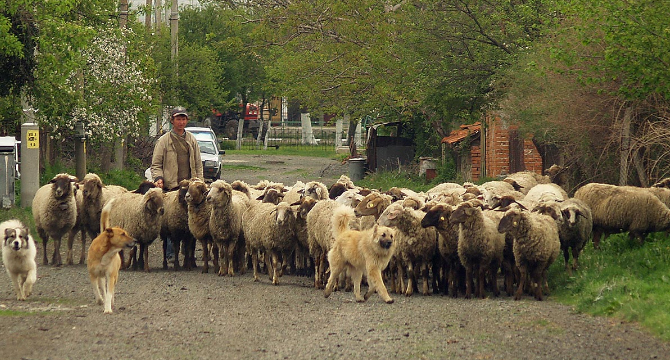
<point>503,151</point>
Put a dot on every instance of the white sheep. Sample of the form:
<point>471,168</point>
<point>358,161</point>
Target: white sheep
<point>140,216</point>
<point>493,191</point>
<point>416,246</point>
<point>270,228</point>
<point>225,223</point>
<point>316,190</point>
<point>618,209</point>
<point>543,193</point>
<point>55,212</point>
<point>523,181</point>
<point>536,246</point>
<point>294,194</point>
<point>199,212</point>
<point>304,205</point>
<point>480,246</point>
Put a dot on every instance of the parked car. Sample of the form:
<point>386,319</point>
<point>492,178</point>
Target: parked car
<point>209,152</point>
<point>211,159</point>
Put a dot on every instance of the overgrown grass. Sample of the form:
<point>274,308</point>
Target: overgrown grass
<point>623,279</point>
<point>241,167</point>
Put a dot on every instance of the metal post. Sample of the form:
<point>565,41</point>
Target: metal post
<point>80,150</point>
<point>30,163</point>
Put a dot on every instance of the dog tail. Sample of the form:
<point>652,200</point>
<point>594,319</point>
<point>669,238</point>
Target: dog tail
<point>104,216</point>
<point>342,216</point>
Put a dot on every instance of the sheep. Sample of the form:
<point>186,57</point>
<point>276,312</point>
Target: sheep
<point>350,198</point>
<point>371,207</point>
<point>492,191</point>
<point>55,212</point>
<point>440,188</point>
<point>294,194</point>
<point>523,181</point>
<point>174,225</point>
<point>319,235</point>
<point>90,198</point>
<point>272,196</point>
<point>268,227</point>
<point>199,212</point>
<point>575,226</point>
<point>536,246</point>
<point>480,246</point>
<point>618,209</point>
<point>416,247</point>
<point>316,190</point>
<point>447,243</point>
<point>305,205</point>
<point>545,192</point>
<point>139,215</point>
<point>665,183</point>
<point>225,222</point>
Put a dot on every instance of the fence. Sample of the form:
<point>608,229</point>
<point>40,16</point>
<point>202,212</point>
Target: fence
<point>323,137</point>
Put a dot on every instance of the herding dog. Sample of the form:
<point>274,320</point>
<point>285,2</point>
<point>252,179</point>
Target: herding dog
<point>104,261</point>
<point>18,255</point>
<point>360,252</point>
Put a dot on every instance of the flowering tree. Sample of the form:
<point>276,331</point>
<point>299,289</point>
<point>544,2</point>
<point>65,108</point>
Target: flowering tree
<point>115,91</point>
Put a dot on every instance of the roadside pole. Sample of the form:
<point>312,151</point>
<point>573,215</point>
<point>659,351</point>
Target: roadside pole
<point>30,163</point>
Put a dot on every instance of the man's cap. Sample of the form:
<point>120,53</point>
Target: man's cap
<point>179,110</point>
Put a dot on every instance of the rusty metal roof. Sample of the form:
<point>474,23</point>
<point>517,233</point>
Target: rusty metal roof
<point>463,132</point>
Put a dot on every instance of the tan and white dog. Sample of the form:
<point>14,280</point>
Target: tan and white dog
<point>360,252</point>
<point>18,255</point>
<point>104,262</point>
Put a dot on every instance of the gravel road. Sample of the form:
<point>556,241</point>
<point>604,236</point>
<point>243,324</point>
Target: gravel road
<point>187,315</point>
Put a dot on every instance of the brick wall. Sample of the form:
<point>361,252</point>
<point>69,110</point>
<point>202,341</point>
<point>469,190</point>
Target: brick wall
<point>498,152</point>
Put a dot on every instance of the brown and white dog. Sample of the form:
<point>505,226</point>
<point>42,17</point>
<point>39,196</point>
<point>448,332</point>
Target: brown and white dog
<point>104,262</point>
<point>360,252</point>
<point>18,255</point>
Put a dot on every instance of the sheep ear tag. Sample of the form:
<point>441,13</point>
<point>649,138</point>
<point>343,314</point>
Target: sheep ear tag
<point>442,218</point>
<point>370,205</point>
<point>515,223</point>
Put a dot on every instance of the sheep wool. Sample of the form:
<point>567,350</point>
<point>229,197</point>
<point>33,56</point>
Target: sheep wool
<point>225,223</point>
<point>55,212</point>
<point>536,246</point>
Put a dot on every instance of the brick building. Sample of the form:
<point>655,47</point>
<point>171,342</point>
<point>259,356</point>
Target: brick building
<point>502,152</point>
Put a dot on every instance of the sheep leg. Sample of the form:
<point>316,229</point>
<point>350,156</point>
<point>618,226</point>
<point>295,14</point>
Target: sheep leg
<point>424,275</point>
<point>597,233</point>
<point>536,275</point>
<point>481,281</point>
<point>493,273</point>
<point>55,259</point>
<point>522,282</point>
<point>452,274</point>
<point>70,242</point>
<point>231,252</point>
<point>254,264</point>
<point>215,253</point>
<point>145,255</point>
<point>276,267</point>
<point>205,255</point>
<point>468,281</point>
<point>575,258</point>
<point>335,269</point>
<point>566,257</point>
<point>401,277</point>
<point>223,260</point>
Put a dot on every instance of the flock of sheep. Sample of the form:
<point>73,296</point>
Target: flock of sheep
<point>455,238</point>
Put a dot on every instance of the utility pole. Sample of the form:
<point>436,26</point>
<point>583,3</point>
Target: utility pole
<point>120,143</point>
<point>174,30</point>
<point>147,16</point>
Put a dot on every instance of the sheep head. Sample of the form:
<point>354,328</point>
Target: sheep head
<point>197,192</point>
<point>305,205</point>
<point>63,185</point>
<point>510,220</point>
<point>153,202</point>
<point>336,190</point>
<point>92,186</point>
<point>373,204</point>
<point>437,216</point>
<point>464,211</point>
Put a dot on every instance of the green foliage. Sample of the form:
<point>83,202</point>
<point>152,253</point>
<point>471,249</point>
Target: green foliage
<point>403,178</point>
<point>623,279</point>
<point>446,172</point>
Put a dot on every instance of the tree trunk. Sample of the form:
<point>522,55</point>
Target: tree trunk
<point>625,146</point>
<point>639,168</point>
